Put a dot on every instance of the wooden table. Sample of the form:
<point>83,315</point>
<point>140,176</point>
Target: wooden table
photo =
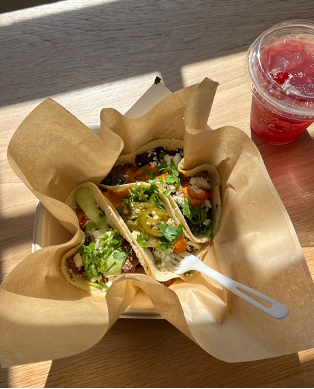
<point>93,54</point>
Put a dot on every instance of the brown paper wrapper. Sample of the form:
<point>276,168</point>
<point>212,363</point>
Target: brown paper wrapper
<point>42,317</point>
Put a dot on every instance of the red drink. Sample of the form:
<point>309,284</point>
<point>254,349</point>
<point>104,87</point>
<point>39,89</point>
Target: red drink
<point>281,68</point>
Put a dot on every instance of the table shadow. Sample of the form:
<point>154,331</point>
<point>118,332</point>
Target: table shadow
<point>15,5</point>
<point>120,40</point>
<point>289,167</point>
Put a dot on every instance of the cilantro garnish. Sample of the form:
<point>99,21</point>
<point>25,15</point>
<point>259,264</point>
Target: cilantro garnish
<point>171,232</point>
<point>173,177</point>
<point>162,167</point>
<point>195,217</point>
<point>100,285</point>
<point>155,199</point>
<point>90,226</point>
<point>164,246</point>
<point>186,210</point>
<point>142,240</point>
<point>208,231</point>
<point>95,257</point>
<point>141,193</point>
<point>120,209</point>
<point>167,193</point>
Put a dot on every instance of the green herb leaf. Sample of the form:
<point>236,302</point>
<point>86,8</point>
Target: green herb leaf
<point>157,80</point>
<point>80,250</point>
<point>120,209</point>
<point>163,166</point>
<point>208,231</point>
<point>119,255</point>
<point>90,226</point>
<point>99,285</point>
<point>142,240</point>
<point>171,232</point>
<point>186,210</point>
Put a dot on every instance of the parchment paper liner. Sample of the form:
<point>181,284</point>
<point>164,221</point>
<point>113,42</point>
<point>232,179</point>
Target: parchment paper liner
<point>42,317</point>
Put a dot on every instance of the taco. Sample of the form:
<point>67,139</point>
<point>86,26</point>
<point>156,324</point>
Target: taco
<point>153,226</point>
<point>105,251</point>
<point>194,195</point>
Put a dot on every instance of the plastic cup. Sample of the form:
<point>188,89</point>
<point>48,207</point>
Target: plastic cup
<point>280,72</point>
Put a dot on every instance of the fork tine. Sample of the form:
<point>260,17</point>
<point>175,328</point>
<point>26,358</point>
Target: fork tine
<point>174,263</point>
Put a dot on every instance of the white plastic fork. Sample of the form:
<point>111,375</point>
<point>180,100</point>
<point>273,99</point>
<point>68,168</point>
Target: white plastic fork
<point>186,262</point>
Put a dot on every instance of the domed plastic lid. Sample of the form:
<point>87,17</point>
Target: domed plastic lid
<point>280,69</point>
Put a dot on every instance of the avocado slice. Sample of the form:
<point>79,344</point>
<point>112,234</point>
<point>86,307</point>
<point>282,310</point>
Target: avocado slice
<point>86,200</point>
<point>115,263</point>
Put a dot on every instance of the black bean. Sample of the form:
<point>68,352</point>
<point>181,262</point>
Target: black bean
<point>172,153</point>
<point>118,174</point>
<point>209,214</point>
<point>144,158</point>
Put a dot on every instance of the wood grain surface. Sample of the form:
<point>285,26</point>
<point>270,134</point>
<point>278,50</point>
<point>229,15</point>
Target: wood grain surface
<point>91,54</point>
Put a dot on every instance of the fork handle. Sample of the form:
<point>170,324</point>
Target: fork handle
<point>277,310</point>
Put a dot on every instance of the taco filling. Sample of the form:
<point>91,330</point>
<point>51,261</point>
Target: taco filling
<point>152,226</point>
<point>192,194</point>
<point>105,254</point>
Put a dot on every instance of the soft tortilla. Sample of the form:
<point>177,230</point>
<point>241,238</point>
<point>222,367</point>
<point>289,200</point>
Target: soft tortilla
<point>167,144</point>
<point>79,281</point>
<point>214,179</point>
<point>153,269</point>
<point>211,173</point>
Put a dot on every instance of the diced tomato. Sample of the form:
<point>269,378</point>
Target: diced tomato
<point>180,245</point>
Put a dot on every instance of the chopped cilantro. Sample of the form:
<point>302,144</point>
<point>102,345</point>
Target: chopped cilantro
<point>99,285</point>
<point>142,240</point>
<point>162,167</point>
<point>80,250</point>
<point>90,226</point>
<point>155,199</point>
<point>173,177</point>
<point>208,231</point>
<point>164,246</point>
<point>171,232</point>
<point>120,209</point>
<point>95,257</point>
<point>157,80</point>
<point>195,217</point>
<point>186,210</point>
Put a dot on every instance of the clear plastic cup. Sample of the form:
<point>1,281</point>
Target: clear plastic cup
<point>280,72</point>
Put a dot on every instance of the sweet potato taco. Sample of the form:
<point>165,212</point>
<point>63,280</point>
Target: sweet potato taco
<point>193,195</point>
<point>153,226</point>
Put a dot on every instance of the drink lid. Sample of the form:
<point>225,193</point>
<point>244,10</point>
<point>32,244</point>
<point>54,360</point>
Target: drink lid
<point>280,69</point>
